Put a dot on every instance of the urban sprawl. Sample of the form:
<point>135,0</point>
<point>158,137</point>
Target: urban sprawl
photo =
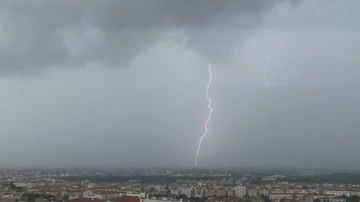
<point>87,185</point>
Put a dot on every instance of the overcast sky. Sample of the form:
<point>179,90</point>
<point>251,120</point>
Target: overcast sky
<point>122,83</point>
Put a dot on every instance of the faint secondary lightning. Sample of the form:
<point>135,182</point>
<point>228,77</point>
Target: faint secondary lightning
<point>266,66</point>
<point>209,116</point>
<point>268,60</point>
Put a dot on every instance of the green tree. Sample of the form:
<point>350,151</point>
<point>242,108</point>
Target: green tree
<point>266,198</point>
<point>354,198</point>
<point>31,198</point>
<point>194,199</point>
<point>66,198</point>
<point>181,196</point>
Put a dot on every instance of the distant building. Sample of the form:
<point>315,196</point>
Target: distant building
<point>230,193</point>
<point>252,191</point>
<point>175,191</point>
<point>273,177</point>
<point>277,190</point>
<point>90,194</point>
<point>338,199</point>
<point>82,199</point>
<point>126,199</point>
<point>141,195</point>
<point>7,195</point>
<point>156,200</point>
<point>240,191</point>
<point>337,192</point>
<point>309,199</point>
<point>355,192</point>
<point>41,200</point>
<point>280,196</point>
<point>307,173</point>
<point>209,192</point>
<point>186,190</point>
<point>108,195</point>
<point>156,188</point>
<point>220,192</point>
<point>263,191</point>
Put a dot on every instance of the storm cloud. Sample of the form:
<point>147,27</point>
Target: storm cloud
<point>88,83</point>
<point>37,34</point>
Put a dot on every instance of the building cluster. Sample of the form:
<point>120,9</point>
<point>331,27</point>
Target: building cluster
<point>274,191</point>
<point>20,187</point>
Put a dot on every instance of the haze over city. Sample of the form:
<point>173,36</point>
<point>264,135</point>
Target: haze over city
<point>122,83</point>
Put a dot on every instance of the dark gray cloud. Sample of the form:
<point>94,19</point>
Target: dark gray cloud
<point>295,2</point>
<point>40,33</point>
<point>79,112</point>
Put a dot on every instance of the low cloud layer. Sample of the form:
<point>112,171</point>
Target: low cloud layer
<point>37,34</point>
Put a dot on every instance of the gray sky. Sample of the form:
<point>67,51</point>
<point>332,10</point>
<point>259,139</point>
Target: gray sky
<point>122,83</point>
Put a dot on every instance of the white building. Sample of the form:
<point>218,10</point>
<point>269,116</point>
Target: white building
<point>186,190</point>
<point>20,184</point>
<point>337,192</point>
<point>209,192</point>
<point>91,194</point>
<point>240,191</point>
<point>8,195</point>
<point>277,190</point>
<point>313,191</point>
<point>264,191</point>
<point>230,193</point>
<point>91,185</point>
<point>296,191</point>
<point>156,187</point>
<point>175,191</point>
<point>252,191</point>
<point>133,194</point>
<point>338,199</point>
<point>73,196</point>
<point>98,196</point>
<point>157,200</point>
<point>309,199</point>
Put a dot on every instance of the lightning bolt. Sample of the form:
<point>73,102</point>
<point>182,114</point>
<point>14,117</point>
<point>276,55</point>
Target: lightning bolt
<point>209,116</point>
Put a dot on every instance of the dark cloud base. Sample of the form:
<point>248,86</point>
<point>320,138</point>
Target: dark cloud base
<point>34,41</point>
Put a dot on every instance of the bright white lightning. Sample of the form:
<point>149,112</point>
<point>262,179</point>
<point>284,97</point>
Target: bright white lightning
<point>209,116</point>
